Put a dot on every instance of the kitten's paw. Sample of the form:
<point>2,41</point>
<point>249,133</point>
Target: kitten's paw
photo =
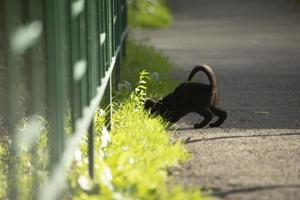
<point>198,126</point>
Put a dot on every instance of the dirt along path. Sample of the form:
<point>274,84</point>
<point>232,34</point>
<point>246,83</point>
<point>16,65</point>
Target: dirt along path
<point>254,48</point>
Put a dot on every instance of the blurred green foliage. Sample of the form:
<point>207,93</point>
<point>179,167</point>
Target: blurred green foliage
<point>149,13</point>
<point>28,164</point>
<point>141,56</point>
<point>4,158</point>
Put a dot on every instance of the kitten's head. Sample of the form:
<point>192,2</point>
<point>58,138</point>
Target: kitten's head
<point>159,107</point>
<point>152,105</point>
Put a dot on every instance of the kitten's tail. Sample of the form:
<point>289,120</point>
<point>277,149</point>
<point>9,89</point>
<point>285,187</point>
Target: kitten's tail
<point>212,79</point>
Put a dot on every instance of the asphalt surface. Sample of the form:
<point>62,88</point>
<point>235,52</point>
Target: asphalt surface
<point>254,49</point>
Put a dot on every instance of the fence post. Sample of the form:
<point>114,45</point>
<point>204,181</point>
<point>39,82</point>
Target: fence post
<point>108,103</point>
<point>35,11</point>
<point>91,150</point>
<point>92,54</point>
<point>55,84</point>
<point>12,22</point>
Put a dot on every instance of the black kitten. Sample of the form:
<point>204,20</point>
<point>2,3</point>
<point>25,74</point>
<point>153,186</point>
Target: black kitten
<point>191,97</point>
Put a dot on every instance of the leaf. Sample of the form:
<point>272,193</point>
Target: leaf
<point>142,82</point>
<point>142,87</point>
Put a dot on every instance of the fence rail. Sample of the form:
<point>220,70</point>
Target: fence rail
<point>70,49</point>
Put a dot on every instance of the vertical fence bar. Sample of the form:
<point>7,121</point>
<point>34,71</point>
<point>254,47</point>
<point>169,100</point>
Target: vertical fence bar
<point>104,35</point>
<point>67,67</point>
<point>111,49</point>
<point>35,10</point>
<point>12,22</point>
<point>91,150</point>
<point>118,41</point>
<point>83,55</point>
<point>124,25</point>
<point>111,54</point>
<point>108,101</point>
<point>77,62</point>
<point>99,49</point>
<point>117,71</point>
<point>97,43</point>
<point>113,27</point>
<point>108,32</point>
<point>91,50</point>
<point>54,71</point>
<point>92,72</point>
<point>101,39</point>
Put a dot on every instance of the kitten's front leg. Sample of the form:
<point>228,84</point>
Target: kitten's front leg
<point>208,115</point>
<point>220,113</point>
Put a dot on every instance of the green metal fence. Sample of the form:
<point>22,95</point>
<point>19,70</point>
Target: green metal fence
<point>72,51</point>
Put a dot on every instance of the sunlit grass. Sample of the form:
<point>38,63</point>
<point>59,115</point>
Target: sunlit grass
<point>132,161</point>
<point>135,163</point>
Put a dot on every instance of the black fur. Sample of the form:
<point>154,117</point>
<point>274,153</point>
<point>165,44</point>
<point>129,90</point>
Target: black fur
<point>190,97</point>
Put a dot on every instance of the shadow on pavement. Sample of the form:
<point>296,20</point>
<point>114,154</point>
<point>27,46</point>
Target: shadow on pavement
<point>253,189</point>
<point>188,141</point>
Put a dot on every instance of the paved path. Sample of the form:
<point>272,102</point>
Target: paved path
<point>254,48</point>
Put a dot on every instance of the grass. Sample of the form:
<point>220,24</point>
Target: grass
<point>134,160</point>
<point>149,13</point>
<point>134,164</point>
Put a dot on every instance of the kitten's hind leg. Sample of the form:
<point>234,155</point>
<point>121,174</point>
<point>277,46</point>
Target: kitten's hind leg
<point>220,113</point>
<point>208,115</point>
